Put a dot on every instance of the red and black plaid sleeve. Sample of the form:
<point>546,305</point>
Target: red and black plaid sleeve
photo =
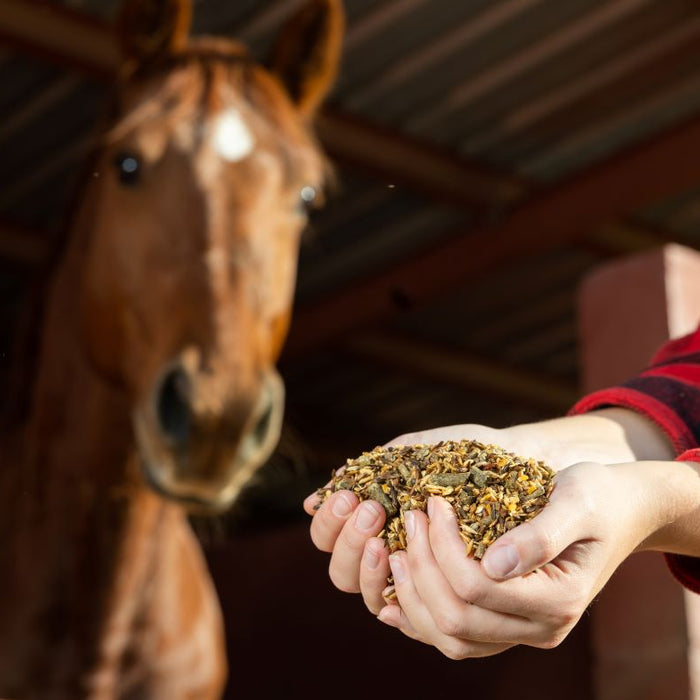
<point>667,393</point>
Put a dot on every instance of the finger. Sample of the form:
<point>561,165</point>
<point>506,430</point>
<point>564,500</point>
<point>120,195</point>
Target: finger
<point>524,596</point>
<point>415,619</point>
<point>450,647</point>
<point>411,616</point>
<point>563,521</point>
<point>330,519</point>
<point>393,616</point>
<point>312,503</point>
<point>367,521</point>
<point>406,594</point>
<point>374,570</point>
<point>453,616</point>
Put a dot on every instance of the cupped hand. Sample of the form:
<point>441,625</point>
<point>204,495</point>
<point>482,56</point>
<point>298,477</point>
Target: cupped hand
<point>535,582</point>
<point>348,529</point>
<point>359,561</point>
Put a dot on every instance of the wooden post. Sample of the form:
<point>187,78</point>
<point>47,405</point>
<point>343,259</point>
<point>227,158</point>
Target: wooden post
<point>645,626</point>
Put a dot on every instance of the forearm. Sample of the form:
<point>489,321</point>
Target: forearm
<point>610,435</point>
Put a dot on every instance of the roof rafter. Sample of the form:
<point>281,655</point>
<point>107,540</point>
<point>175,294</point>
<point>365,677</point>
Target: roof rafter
<point>55,33</point>
<point>404,160</point>
<point>457,367</point>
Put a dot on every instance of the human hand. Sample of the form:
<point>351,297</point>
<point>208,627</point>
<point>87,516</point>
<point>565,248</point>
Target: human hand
<point>348,529</point>
<point>360,561</point>
<point>536,581</point>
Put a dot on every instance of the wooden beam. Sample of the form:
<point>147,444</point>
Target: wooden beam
<point>331,272</point>
<point>426,168</point>
<point>534,348</point>
<point>459,368</point>
<point>22,247</point>
<point>685,216</point>
<point>616,188</point>
<point>521,319</point>
<point>58,34</point>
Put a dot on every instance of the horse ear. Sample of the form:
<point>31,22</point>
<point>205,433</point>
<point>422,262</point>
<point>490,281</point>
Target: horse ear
<point>307,52</point>
<point>152,29</point>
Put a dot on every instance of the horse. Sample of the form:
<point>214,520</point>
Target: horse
<point>155,391</point>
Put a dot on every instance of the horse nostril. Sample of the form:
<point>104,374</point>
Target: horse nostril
<point>172,408</point>
<point>265,431</point>
<point>262,427</point>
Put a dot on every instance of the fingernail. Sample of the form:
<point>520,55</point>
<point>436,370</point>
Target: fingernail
<point>367,515</point>
<point>397,569</point>
<point>431,507</point>
<point>371,558</point>
<point>342,506</point>
<point>499,562</point>
<point>409,520</point>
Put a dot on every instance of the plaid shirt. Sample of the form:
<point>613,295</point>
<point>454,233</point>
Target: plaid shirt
<point>667,393</point>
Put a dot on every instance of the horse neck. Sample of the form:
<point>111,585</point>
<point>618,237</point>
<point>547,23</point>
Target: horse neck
<point>77,505</point>
<point>79,424</point>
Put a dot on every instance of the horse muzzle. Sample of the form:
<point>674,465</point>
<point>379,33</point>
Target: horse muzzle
<point>203,455</point>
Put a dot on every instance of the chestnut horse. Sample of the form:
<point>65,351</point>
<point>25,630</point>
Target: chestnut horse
<point>155,389</point>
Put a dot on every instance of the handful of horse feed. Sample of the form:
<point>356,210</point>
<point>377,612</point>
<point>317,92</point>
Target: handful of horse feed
<point>491,490</point>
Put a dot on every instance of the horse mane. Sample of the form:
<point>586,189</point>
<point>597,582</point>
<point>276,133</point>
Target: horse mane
<point>199,49</point>
<point>213,48</point>
<point>24,352</point>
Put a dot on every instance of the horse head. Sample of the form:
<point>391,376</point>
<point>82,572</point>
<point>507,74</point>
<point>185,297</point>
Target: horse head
<point>204,182</point>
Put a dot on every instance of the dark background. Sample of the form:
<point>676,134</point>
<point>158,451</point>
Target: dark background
<point>489,153</point>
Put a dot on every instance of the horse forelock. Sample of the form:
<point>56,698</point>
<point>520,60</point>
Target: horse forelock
<point>214,48</point>
<point>191,88</point>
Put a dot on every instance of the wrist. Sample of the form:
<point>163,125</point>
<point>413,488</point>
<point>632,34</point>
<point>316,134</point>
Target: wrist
<point>668,495</point>
<point>636,434</point>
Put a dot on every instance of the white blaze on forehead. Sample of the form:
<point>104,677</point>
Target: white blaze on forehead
<point>232,139</point>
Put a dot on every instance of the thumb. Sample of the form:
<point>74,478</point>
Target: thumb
<point>540,540</point>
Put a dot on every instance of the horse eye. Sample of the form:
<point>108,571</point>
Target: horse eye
<point>128,168</point>
<point>307,197</point>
